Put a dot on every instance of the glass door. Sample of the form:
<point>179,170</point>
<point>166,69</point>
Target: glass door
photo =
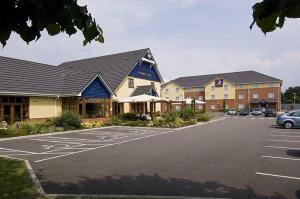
<point>7,113</point>
<point>17,113</point>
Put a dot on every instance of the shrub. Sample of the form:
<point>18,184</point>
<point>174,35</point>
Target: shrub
<point>171,116</point>
<point>158,122</point>
<point>135,123</point>
<point>204,117</point>
<point>187,114</point>
<point>115,120</point>
<point>128,116</point>
<point>92,124</point>
<point>68,120</point>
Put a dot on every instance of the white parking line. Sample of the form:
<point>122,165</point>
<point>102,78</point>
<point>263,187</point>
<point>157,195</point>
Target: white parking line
<point>280,176</point>
<point>281,158</point>
<point>282,147</point>
<point>286,132</point>
<point>14,150</point>
<point>282,140</point>
<point>108,145</point>
<point>288,136</point>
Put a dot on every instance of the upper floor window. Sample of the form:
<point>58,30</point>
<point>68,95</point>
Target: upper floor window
<point>201,98</point>
<point>271,84</point>
<point>225,87</point>
<point>255,85</point>
<point>166,91</point>
<point>271,95</point>
<point>212,97</point>
<point>241,96</point>
<point>177,90</point>
<point>225,96</point>
<point>130,83</point>
<point>212,88</point>
<point>255,95</point>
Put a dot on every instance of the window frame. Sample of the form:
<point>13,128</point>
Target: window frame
<point>130,83</point>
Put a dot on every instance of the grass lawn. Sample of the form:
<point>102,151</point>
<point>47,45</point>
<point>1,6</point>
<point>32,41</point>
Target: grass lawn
<point>15,181</point>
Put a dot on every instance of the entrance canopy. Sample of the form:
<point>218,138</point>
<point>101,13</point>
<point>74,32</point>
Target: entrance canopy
<point>143,98</point>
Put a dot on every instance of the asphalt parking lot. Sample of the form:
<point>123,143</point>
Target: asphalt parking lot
<point>237,157</point>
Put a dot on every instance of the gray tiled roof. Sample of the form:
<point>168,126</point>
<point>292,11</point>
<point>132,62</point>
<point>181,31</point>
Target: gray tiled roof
<point>235,77</point>
<point>112,68</point>
<point>140,90</point>
<point>20,76</point>
<point>70,78</point>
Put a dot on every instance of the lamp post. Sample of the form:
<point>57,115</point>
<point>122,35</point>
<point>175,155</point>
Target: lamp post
<point>294,100</point>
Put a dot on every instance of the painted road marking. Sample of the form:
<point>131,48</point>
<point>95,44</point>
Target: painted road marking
<point>280,176</point>
<point>288,136</point>
<point>282,158</point>
<point>282,140</point>
<point>108,145</point>
<point>285,132</point>
<point>282,147</point>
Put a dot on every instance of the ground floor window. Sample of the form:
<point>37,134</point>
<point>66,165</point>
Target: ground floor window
<point>200,107</point>
<point>95,110</point>
<point>177,107</point>
<point>241,106</point>
<point>14,109</point>
<point>212,107</point>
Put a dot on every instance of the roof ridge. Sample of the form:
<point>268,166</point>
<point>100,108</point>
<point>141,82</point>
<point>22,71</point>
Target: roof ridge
<point>107,55</point>
<point>215,74</point>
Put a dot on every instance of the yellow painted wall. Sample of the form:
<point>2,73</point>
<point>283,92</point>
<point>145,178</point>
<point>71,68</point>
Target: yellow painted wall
<point>260,85</point>
<point>44,107</point>
<point>124,91</point>
<point>172,91</point>
<point>219,92</point>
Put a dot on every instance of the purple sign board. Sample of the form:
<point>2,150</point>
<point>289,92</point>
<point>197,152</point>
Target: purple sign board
<point>219,82</point>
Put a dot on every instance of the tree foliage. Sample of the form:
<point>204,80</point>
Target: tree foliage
<point>29,17</point>
<point>271,14</point>
<point>288,96</point>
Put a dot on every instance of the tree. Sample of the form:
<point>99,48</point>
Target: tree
<point>288,96</point>
<point>271,14</point>
<point>28,18</point>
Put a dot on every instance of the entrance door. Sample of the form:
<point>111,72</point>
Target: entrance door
<point>7,113</point>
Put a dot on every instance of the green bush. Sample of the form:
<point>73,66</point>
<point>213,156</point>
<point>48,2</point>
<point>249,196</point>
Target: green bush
<point>135,123</point>
<point>68,121</point>
<point>158,122</point>
<point>171,116</point>
<point>128,116</point>
<point>187,114</point>
<point>204,117</point>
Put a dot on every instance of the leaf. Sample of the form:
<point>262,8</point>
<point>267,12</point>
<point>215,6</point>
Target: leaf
<point>53,29</point>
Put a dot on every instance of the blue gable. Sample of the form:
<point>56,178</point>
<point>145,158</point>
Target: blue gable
<point>145,71</point>
<point>96,90</point>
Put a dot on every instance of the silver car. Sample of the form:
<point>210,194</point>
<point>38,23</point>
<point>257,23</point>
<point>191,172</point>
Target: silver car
<point>289,120</point>
<point>257,111</point>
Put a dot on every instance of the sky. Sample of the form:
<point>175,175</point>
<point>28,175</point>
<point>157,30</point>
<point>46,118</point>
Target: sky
<point>186,37</point>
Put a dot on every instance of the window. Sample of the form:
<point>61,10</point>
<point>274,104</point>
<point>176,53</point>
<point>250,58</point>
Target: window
<point>212,97</point>
<point>271,95</point>
<point>177,90</point>
<point>177,107</point>
<point>241,106</point>
<point>201,98</point>
<point>212,107</point>
<point>226,106</point>
<point>296,114</point>
<point>241,96</point>
<point>241,86</point>
<point>200,106</point>
<point>255,85</point>
<point>225,87</point>
<point>212,88</point>
<point>166,91</point>
<point>152,83</point>
<point>225,96</point>
<point>130,83</point>
<point>271,84</point>
<point>177,98</point>
<point>167,97</point>
<point>255,95</point>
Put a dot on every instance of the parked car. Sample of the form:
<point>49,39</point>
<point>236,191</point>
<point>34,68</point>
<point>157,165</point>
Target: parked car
<point>257,111</point>
<point>270,113</point>
<point>244,112</point>
<point>231,112</point>
<point>289,120</point>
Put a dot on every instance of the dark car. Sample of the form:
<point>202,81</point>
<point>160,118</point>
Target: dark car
<point>270,113</point>
<point>244,112</point>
